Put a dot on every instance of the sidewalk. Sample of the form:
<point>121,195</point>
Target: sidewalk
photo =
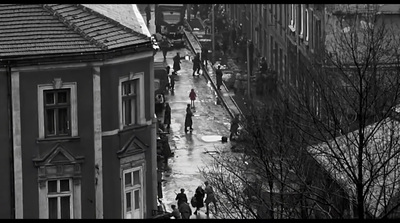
<point>224,94</point>
<point>233,101</point>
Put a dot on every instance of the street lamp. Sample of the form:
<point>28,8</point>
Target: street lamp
<point>212,34</point>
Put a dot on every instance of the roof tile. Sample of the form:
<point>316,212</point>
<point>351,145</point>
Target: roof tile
<point>33,29</point>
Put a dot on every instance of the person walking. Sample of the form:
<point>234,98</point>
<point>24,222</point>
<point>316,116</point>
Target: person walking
<point>196,63</point>
<point>199,195</point>
<point>165,45</point>
<point>210,197</point>
<point>234,127</point>
<point>175,212</point>
<point>172,82</point>
<point>177,63</point>
<point>192,96</point>
<point>148,13</point>
<point>204,56</point>
<point>188,118</point>
<point>218,74</point>
<point>167,115</point>
<point>181,197</point>
<point>185,210</point>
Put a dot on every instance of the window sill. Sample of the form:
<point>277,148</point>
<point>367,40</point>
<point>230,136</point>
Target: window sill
<point>63,139</point>
<point>131,127</point>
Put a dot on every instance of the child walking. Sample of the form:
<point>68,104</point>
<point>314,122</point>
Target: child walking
<point>192,96</point>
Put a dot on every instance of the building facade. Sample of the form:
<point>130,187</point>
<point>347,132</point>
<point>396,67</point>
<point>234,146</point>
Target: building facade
<point>285,34</point>
<point>81,138</point>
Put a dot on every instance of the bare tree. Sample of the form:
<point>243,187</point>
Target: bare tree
<point>274,177</point>
<point>329,148</point>
<point>347,119</point>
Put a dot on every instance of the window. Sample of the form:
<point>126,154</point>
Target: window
<point>265,16</point>
<point>131,100</point>
<point>318,31</point>
<point>271,49</point>
<point>59,183</point>
<point>57,112</point>
<point>132,187</point>
<point>59,199</point>
<point>307,24</point>
<point>292,17</point>
<point>57,109</point>
<point>301,20</point>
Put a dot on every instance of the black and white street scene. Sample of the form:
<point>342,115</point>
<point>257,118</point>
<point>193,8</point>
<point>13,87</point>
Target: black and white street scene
<point>200,111</point>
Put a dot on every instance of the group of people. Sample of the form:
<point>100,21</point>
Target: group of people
<point>184,211</point>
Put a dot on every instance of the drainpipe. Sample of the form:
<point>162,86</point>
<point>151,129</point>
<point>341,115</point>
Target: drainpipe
<point>10,139</point>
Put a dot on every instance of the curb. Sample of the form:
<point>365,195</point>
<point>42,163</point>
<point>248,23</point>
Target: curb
<point>205,71</point>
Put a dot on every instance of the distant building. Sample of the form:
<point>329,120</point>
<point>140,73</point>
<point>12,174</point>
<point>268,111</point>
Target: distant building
<point>78,132</point>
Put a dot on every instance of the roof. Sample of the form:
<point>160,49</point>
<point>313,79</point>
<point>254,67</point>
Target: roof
<point>126,14</point>
<point>361,8</point>
<point>35,29</point>
<point>390,9</point>
<point>381,159</point>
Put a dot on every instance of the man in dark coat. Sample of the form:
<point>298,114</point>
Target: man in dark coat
<point>188,118</point>
<point>196,63</point>
<point>218,74</point>
<point>177,63</point>
<point>185,210</point>
<point>199,195</point>
<point>167,115</point>
<point>204,55</point>
<point>210,197</point>
<point>165,45</point>
<point>175,212</point>
<point>234,127</point>
<point>181,197</point>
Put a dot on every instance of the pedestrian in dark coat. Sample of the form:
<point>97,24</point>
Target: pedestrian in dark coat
<point>177,63</point>
<point>196,63</point>
<point>185,210</point>
<point>167,115</point>
<point>210,197</point>
<point>165,45</point>
<point>218,74</point>
<point>148,13</point>
<point>188,118</point>
<point>199,194</point>
<point>192,96</point>
<point>175,212</point>
<point>234,126</point>
<point>172,82</point>
<point>204,56</point>
<point>181,197</point>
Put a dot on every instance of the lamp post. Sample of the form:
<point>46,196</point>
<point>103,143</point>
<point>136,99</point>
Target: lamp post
<point>212,33</point>
<point>250,51</point>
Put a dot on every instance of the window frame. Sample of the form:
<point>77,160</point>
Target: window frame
<point>56,107</point>
<point>301,20</point>
<point>307,24</point>
<point>60,194</point>
<point>132,189</point>
<point>292,25</point>
<point>141,116</point>
<point>58,85</point>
